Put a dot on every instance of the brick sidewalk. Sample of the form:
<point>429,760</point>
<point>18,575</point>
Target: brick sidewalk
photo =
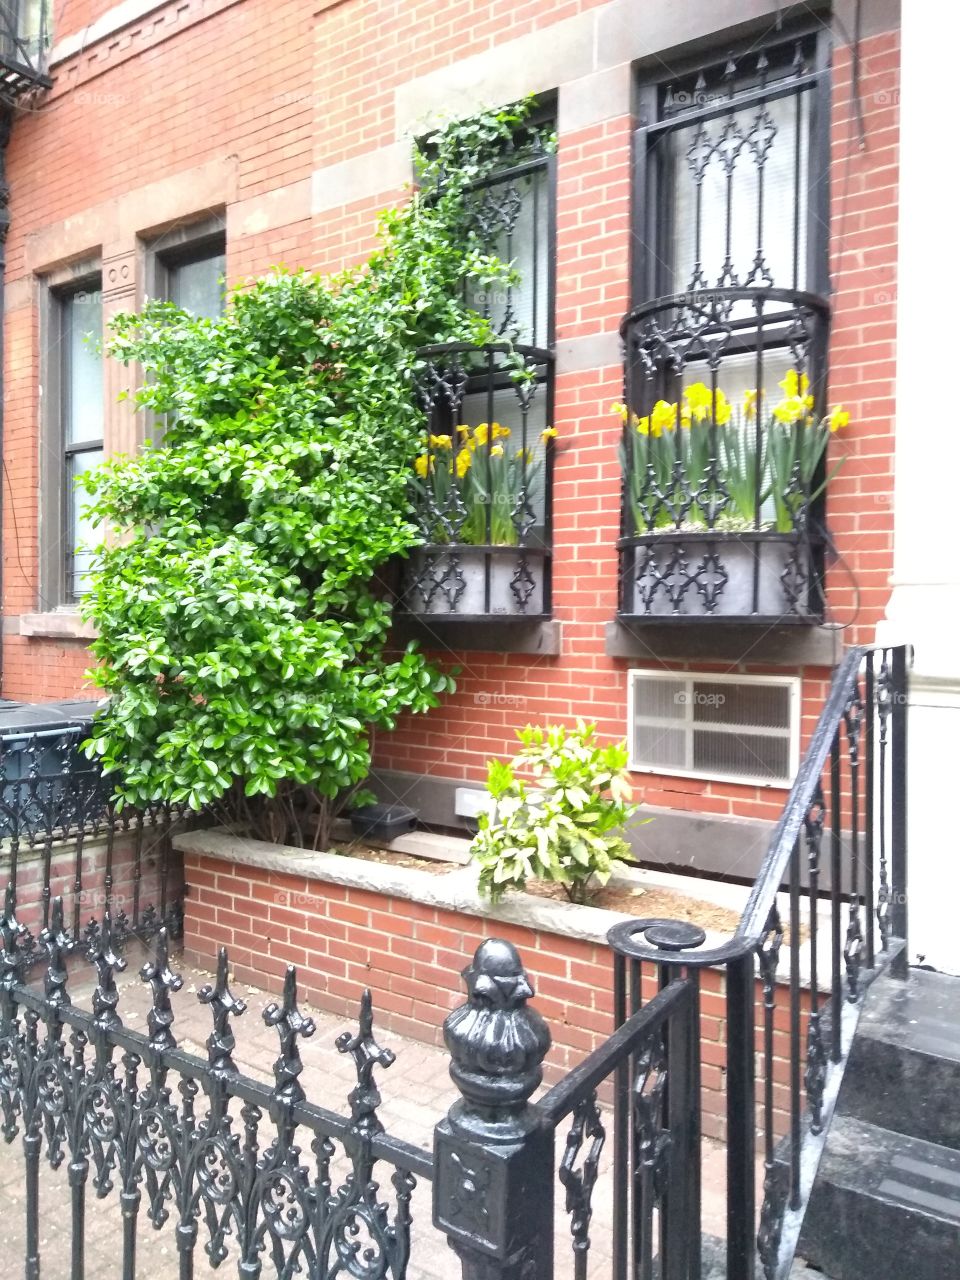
<point>416,1091</point>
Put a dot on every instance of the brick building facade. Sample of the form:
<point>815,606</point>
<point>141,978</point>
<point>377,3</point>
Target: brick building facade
<point>273,134</point>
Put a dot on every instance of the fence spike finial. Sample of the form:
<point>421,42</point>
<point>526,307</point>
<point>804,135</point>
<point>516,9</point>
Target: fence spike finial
<point>162,981</point>
<point>108,963</point>
<point>58,944</point>
<point>290,1024</point>
<point>224,1004</point>
<point>367,1054</point>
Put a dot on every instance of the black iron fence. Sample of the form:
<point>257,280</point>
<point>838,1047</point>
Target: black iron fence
<point>62,836</point>
<point>224,1158</point>
<point>195,1141</point>
<point>827,912</point>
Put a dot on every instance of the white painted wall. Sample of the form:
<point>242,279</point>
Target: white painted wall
<point>924,608</point>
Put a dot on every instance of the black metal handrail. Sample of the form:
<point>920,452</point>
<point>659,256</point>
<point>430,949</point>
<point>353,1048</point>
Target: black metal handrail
<point>851,786</point>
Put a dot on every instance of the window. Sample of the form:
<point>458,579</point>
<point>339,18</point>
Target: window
<point>728,338</point>
<point>79,325</point>
<point>192,276</point>
<point>726,728</point>
<point>513,215</point>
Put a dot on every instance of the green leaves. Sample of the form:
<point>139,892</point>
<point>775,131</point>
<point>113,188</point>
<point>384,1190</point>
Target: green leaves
<point>242,630</point>
<point>568,829</point>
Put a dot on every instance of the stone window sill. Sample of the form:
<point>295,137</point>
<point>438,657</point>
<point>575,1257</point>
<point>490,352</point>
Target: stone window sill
<point>57,625</point>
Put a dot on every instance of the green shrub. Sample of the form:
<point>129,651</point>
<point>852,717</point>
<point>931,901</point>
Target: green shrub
<point>568,828</point>
<point>243,633</point>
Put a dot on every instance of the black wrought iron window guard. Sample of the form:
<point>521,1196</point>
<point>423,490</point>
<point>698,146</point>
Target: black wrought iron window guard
<point>483,485</point>
<point>725,424</point>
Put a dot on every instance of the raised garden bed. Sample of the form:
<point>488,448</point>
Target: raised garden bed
<point>406,932</point>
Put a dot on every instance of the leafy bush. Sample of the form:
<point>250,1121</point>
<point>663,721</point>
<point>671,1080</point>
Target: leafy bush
<point>242,630</point>
<point>569,828</point>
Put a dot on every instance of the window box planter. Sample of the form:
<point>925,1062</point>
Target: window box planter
<point>724,456</point>
<point>482,486</point>
<point>477,582</point>
<point>763,576</point>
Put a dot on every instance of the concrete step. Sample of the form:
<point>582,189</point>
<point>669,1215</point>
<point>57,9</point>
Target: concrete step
<point>904,1068</point>
<point>885,1206</point>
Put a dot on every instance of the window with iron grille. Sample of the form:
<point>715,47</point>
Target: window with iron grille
<point>726,728</point>
<point>483,483</point>
<point>731,321</point>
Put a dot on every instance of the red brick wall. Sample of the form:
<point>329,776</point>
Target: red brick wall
<point>411,957</point>
<point>92,896</point>
<point>285,89</point>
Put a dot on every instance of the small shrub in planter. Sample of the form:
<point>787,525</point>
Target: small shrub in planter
<point>568,827</point>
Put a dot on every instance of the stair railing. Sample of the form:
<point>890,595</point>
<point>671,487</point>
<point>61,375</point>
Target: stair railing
<point>827,912</point>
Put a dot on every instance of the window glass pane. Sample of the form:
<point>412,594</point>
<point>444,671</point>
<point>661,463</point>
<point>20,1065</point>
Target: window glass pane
<point>83,326</point>
<point>197,286</point>
<point>513,218</point>
<point>82,533</point>
<point>753,151</point>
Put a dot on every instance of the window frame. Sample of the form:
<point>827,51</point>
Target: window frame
<point>55,560</point>
<point>181,246</point>
<point>792,683</point>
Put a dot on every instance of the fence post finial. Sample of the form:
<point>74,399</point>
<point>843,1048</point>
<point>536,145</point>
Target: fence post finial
<point>491,1148</point>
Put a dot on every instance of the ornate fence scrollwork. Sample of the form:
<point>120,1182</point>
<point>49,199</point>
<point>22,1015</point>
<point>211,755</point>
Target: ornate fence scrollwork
<point>196,1141</point>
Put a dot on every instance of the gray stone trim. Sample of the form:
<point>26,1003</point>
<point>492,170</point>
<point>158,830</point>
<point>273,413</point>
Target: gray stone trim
<point>787,646</point>
<point>596,41</point>
<point>455,891</point>
<point>542,638</point>
<point>361,177</point>
<point>602,95</point>
<point>121,15</point>
<point>58,624</point>
<point>589,351</point>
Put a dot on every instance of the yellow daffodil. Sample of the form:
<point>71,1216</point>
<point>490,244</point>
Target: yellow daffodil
<point>839,417</point>
<point>750,403</point>
<point>441,442</point>
<point>464,459</point>
<point>481,433</point>
<point>697,397</point>
<point>722,409</point>
<point>790,410</point>
<point>642,425</point>
<point>550,433</point>
<point>663,417</point>
<point>686,415</point>
<point>499,431</point>
<point>463,430</point>
<point>525,455</point>
<point>620,409</point>
<point>796,386</point>
<point>421,465</point>
<point>496,451</point>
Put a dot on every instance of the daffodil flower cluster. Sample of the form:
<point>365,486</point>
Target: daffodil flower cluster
<point>702,462</point>
<point>482,476</point>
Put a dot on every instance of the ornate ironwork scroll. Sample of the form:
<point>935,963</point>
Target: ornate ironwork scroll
<point>136,1116</point>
